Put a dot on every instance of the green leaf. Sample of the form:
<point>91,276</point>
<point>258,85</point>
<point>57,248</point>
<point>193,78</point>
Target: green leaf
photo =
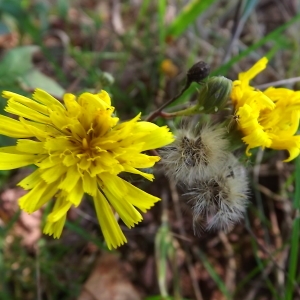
<point>17,61</point>
<point>17,67</point>
<point>187,16</point>
<point>35,79</point>
<point>3,28</point>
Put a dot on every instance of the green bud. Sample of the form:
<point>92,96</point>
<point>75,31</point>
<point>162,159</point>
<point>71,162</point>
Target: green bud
<point>106,79</point>
<point>214,95</point>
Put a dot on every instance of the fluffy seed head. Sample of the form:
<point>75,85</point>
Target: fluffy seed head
<point>220,201</point>
<point>196,154</point>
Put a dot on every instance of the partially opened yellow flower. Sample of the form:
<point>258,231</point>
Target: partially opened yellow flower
<point>266,119</point>
<point>79,147</point>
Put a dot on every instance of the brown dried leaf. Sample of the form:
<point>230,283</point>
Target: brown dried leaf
<point>108,281</point>
<point>28,227</point>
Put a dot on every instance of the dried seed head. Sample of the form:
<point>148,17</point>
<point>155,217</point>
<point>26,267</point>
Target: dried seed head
<point>195,154</point>
<point>220,201</point>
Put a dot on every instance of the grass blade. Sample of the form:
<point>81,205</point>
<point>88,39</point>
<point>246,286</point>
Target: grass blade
<point>295,238</point>
<point>187,16</point>
<point>84,234</point>
<point>213,274</point>
<point>269,37</point>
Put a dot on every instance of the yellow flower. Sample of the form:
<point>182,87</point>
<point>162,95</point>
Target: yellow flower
<point>79,147</point>
<point>267,118</point>
<point>168,68</point>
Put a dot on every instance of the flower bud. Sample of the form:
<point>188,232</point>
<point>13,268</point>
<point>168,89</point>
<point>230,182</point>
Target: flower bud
<point>198,72</point>
<point>214,95</point>
<point>168,68</point>
<point>106,79</point>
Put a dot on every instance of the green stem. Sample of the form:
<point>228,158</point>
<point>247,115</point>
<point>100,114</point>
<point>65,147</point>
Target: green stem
<point>185,112</point>
<point>157,113</point>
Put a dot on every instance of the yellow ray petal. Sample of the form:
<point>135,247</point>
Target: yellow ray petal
<point>254,70</point>
<point>59,210</point>
<point>29,146</point>
<point>291,144</point>
<point>89,184</point>
<point>53,174</point>
<point>111,230</point>
<point>31,180</point>
<point>104,96</point>
<point>55,228</point>
<point>10,161</point>
<point>45,98</point>
<point>116,192</point>
<point>41,133</point>
<point>38,196</point>
<point>13,128</point>
<point>139,198</point>
<point>130,169</point>
<point>73,108</point>
<point>70,180</point>
<point>26,112</point>
<point>76,194</point>
<point>156,138</point>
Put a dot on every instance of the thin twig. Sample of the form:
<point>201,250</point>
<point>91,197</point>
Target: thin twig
<point>278,245</point>
<point>259,281</point>
<point>74,84</point>
<point>270,255</point>
<point>259,202</point>
<point>158,112</point>
<point>230,273</point>
<point>116,18</point>
<point>271,194</point>
<point>279,82</point>
<point>235,32</point>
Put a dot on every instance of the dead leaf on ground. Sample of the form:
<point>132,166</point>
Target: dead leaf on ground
<point>108,281</point>
<point>28,227</point>
<point>9,40</point>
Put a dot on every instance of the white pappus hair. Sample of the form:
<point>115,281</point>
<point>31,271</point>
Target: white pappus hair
<point>219,201</point>
<point>197,153</point>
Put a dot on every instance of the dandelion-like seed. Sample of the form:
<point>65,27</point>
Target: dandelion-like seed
<point>79,147</point>
<point>219,201</point>
<point>195,153</point>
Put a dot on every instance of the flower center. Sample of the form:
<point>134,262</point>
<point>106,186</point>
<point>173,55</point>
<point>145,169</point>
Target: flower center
<point>85,144</point>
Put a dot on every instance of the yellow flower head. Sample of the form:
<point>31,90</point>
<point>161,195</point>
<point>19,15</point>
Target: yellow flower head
<point>168,68</point>
<point>79,147</point>
<point>269,118</point>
